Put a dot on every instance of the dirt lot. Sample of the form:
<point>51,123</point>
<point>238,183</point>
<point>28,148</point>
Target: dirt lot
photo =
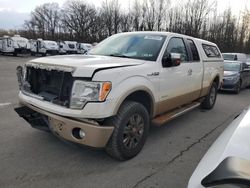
<point>31,158</point>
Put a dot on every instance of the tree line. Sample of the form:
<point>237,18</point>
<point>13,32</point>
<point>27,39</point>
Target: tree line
<point>81,21</point>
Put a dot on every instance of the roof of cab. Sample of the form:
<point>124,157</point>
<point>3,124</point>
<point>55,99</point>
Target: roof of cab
<point>167,34</point>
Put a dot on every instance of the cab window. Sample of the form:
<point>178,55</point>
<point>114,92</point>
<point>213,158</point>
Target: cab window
<point>176,45</point>
<point>194,50</point>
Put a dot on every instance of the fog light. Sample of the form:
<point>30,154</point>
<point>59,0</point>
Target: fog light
<point>81,133</point>
<point>78,133</point>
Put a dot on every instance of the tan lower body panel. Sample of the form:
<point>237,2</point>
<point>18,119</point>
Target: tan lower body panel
<point>95,136</point>
<point>170,104</point>
<point>205,91</point>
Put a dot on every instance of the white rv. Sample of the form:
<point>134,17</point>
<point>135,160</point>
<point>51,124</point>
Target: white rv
<point>15,45</point>
<point>44,47</point>
<point>83,48</point>
<point>67,47</point>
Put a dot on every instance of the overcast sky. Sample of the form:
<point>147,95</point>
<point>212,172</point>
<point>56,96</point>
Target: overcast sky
<point>14,12</point>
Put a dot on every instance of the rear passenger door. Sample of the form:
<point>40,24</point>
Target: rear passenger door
<point>195,68</point>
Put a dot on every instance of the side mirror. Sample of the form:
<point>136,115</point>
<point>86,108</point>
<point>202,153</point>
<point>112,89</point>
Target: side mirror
<point>171,60</point>
<point>232,170</point>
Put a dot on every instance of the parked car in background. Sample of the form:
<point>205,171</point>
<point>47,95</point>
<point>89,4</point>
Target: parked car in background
<point>235,57</point>
<point>83,48</point>
<point>44,47</point>
<point>236,76</point>
<point>108,98</point>
<point>227,162</point>
<point>67,47</point>
<point>14,45</point>
<point>248,62</point>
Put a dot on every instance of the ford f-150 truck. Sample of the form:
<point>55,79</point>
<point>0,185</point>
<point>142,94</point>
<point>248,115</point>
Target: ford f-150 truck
<point>110,97</point>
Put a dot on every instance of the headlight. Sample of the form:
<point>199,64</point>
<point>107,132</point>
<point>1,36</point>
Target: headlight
<point>235,77</point>
<point>83,92</point>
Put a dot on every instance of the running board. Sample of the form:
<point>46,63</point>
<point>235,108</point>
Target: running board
<point>160,120</point>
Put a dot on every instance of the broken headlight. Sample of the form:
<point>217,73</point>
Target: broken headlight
<point>83,92</point>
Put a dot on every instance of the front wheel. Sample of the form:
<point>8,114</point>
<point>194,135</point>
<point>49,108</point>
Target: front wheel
<point>131,128</point>
<point>209,101</point>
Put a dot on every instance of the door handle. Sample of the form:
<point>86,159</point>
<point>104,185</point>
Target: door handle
<point>190,71</point>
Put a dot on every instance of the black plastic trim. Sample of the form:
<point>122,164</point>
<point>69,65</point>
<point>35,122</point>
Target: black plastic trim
<point>106,68</point>
<point>231,170</point>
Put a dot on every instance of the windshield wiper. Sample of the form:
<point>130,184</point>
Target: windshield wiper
<point>119,55</point>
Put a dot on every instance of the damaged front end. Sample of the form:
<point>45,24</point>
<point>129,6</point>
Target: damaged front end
<point>54,86</point>
<point>46,83</point>
<point>35,119</point>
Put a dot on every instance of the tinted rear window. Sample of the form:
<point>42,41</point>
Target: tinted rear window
<point>211,51</point>
<point>194,50</point>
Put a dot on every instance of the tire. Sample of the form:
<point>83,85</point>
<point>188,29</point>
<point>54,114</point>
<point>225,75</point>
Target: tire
<point>210,99</point>
<point>237,88</point>
<point>131,129</point>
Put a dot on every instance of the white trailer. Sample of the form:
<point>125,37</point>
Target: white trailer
<point>67,47</point>
<point>44,47</point>
<point>14,45</point>
<point>83,48</point>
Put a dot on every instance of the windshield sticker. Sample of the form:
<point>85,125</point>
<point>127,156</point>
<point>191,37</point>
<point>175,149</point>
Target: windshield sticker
<point>153,37</point>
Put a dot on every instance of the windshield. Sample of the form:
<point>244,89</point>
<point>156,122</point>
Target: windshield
<point>232,67</point>
<point>50,43</point>
<point>229,57</point>
<point>137,46</point>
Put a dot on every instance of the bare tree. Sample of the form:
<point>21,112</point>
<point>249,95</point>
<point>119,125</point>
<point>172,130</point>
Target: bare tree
<point>45,19</point>
<point>79,17</point>
<point>111,16</point>
<point>78,20</point>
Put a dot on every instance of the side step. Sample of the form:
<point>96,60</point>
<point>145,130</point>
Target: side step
<point>160,120</point>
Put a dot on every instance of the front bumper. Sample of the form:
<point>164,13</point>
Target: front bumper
<point>52,52</point>
<point>71,52</point>
<point>90,110</point>
<point>95,135</point>
<point>22,50</point>
<point>229,85</point>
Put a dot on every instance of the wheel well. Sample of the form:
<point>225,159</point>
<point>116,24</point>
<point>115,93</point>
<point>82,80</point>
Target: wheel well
<point>143,98</point>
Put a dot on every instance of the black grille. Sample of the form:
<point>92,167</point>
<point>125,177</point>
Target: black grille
<point>71,46</point>
<point>54,86</point>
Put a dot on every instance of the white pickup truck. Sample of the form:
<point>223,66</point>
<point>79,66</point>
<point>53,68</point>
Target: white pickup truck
<point>109,98</point>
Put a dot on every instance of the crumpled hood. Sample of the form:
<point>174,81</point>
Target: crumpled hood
<point>82,65</point>
<point>230,73</point>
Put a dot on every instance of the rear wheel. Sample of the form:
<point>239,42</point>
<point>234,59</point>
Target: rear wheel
<point>209,101</point>
<point>131,128</point>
